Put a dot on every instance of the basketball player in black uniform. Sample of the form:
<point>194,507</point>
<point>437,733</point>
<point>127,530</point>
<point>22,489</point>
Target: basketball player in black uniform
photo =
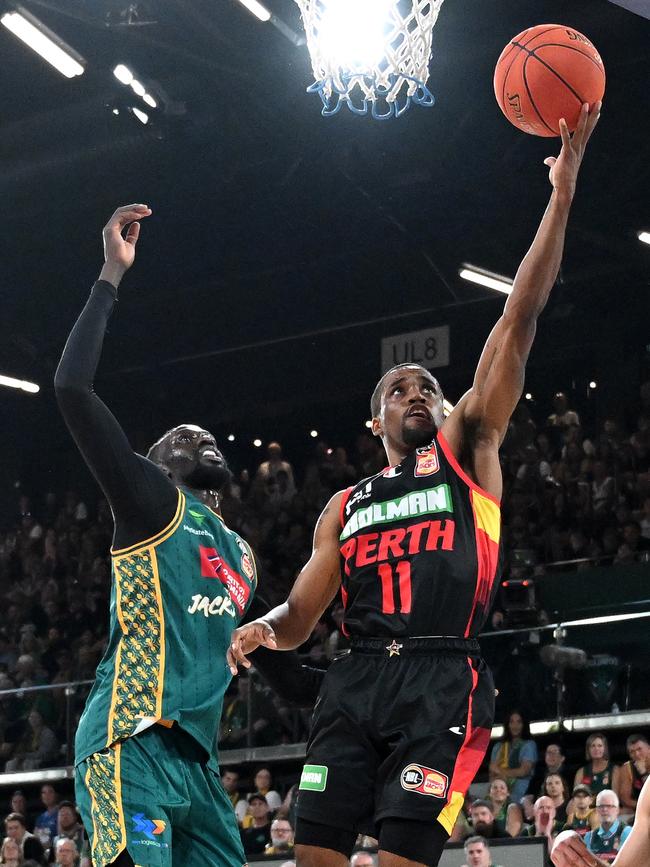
<point>403,720</point>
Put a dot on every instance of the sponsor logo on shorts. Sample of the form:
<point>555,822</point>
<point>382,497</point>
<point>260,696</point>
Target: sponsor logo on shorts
<point>424,781</point>
<point>314,778</point>
<point>426,461</point>
<point>428,502</point>
<point>149,827</point>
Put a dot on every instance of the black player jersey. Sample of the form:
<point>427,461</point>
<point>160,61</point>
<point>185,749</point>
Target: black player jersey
<point>420,549</point>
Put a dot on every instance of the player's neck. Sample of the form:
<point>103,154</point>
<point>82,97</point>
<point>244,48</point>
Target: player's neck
<point>208,498</point>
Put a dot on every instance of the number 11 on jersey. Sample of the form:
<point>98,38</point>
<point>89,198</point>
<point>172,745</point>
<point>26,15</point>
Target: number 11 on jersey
<point>387,577</point>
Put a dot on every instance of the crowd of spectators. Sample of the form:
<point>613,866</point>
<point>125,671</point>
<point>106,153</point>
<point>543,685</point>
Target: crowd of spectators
<point>571,493</point>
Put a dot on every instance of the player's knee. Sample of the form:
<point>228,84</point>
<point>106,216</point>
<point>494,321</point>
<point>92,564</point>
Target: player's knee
<point>420,842</point>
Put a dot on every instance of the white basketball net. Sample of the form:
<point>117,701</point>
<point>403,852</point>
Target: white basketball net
<point>371,55</point>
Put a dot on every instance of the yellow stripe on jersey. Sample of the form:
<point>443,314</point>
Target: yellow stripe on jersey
<point>165,533</point>
<point>104,783</point>
<point>140,657</point>
<point>487,515</point>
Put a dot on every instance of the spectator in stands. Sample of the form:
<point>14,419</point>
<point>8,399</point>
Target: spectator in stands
<point>258,835</point>
<point>634,772</point>
<point>18,804</point>
<point>230,783</point>
<point>562,416</point>
<point>477,852</point>
<point>482,818</point>
<point>363,859</point>
<point>275,464</point>
<point>603,490</point>
<point>39,747</point>
<point>554,785</point>
<point>514,756</point>
<point>66,853</point>
<point>611,833</point>
<point>69,826</point>
<point>281,838</point>
<point>30,846</point>
<point>10,853</point>
<point>552,763</point>
<point>545,823</point>
<point>599,772</point>
<point>507,816</point>
<point>46,825</point>
<point>262,782</point>
<point>581,817</point>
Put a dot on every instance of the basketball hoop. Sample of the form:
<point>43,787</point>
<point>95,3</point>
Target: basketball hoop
<point>370,55</point>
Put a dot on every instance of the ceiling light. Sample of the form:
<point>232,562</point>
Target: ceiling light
<point>44,42</point>
<point>313,433</point>
<point>528,396</point>
<point>593,384</point>
<point>142,116</point>
<point>485,278</point>
<point>257,443</point>
<point>123,74</point>
<point>148,98</point>
<point>257,9</point>
<point>369,423</point>
<point>22,384</point>
<point>645,237</point>
<point>137,87</point>
<point>231,438</point>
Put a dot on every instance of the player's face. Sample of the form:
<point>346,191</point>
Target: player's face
<point>192,456</point>
<point>411,409</point>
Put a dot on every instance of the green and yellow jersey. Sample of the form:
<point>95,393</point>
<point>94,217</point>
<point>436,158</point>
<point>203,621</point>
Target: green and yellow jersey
<point>175,600</point>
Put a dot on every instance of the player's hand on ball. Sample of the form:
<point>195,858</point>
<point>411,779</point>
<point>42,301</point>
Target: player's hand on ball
<point>246,639</point>
<point>570,851</point>
<point>119,249</point>
<point>564,169</point>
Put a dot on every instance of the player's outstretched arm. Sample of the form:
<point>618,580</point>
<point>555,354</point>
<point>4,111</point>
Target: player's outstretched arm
<point>96,431</point>
<point>290,624</point>
<point>499,379</point>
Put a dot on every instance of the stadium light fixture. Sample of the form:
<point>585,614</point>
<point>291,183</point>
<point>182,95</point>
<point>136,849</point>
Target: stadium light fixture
<point>486,278</point>
<point>142,116</point>
<point>644,237</point>
<point>44,42</point>
<point>258,10</point>
<point>123,74</point>
<point>151,102</point>
<point>257,443</point>
<point>313,434</point>
<point>231,438</point>
<point>22,384</point>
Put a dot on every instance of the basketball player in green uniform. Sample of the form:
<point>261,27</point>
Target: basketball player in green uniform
<point>147,778</point>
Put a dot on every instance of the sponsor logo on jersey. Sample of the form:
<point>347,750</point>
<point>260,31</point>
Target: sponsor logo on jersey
<point>214,566</point>
<point>149,827</point>
<point>199,517</point>
<point>392,472</point>
<point>424,781</point>
<point>218,606</point>
<point>411,505</point>
<point>314,778</point>
<point>426,461</point>
<point>360,495</point>
<point>198,532</point>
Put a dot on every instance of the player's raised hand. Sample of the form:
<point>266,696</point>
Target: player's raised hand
<point>570,851</point>
<point>119,249</point>
<point>246,639</point>
<point>564,168</point>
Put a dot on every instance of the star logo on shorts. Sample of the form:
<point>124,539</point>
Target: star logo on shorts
<point>394,648</point>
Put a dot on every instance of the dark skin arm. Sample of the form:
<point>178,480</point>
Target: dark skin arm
<point>476,427</point>
<point>290,624</point>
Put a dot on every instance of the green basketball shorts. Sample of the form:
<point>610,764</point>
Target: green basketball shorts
<point>157,796</point>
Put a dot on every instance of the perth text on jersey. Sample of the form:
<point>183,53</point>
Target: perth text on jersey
<point>427,502</point>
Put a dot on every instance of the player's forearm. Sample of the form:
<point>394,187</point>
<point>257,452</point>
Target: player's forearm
<point>76,370</point>
<point>539,269</point>
<point>290,627</point>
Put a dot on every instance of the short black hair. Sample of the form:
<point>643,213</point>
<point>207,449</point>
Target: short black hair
<point>634,739</point>
<point>375,400</point>
<point>481,802</point>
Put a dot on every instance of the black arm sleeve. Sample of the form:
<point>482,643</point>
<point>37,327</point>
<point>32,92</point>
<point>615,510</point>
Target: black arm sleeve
<point>143,500</point>
<point>294,682</point>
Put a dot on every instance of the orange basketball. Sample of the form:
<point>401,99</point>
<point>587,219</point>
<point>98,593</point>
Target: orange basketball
<point>546,73</point>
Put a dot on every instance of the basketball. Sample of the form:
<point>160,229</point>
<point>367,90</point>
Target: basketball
<point>547,73</point>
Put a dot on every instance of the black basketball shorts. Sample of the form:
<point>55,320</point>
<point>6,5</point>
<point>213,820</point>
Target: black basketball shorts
<point>399,730</point>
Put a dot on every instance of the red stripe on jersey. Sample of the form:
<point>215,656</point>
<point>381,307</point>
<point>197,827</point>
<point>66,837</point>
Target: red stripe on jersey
<point>344,501</point>
<point>444,445</point>
<point>344,600</point>
<point>470,756</point>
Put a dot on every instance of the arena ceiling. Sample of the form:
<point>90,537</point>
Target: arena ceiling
<point>271,220</point>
